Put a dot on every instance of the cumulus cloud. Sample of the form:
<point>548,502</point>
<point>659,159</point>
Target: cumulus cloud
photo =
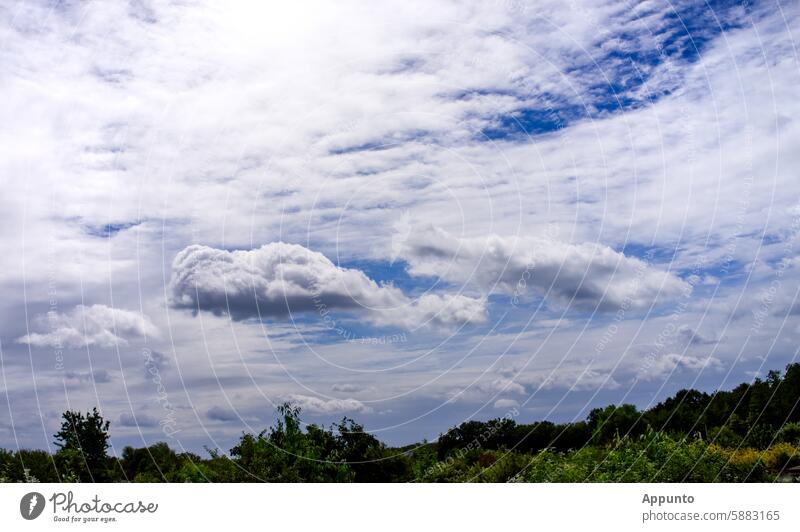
<point>278,279</point>
<point>575,379</point>
<point>90,325</point>
<point>139,420</point>
<point>689,336</point>
<point>506,403</point>
<point>691,169</point>
<point>217,413</point>
<point>442,310</point>
<point>587,275</point>
<point>327,406</point>
<point>662,366</point>
<point>489,389</point>
<point>502,385</point>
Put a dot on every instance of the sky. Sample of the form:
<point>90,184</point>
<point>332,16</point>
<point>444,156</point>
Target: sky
<point>412,214</point>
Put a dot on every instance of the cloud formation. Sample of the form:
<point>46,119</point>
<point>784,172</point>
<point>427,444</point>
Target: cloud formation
<point>664,125</point>
<point>586,276</point>
<point>140,420</point>
<point>662,366</point>
<point>100,376</point>
<point>279,279</point>
<point>572,378</point>
<point>217,413</point>
<point>318,405</point>
<point>506,403</point>
<point>97,325</point>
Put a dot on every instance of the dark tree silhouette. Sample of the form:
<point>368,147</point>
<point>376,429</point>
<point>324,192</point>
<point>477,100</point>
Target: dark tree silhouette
<point>82,443</point>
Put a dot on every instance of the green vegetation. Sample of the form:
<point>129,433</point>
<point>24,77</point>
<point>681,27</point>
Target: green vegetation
<point>748,434</point>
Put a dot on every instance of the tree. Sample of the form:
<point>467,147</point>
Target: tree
<point>615,421</point>
<point>27,465</point>
<point>789,433</point>
<point>534,437</point>
<point>284,453</point>
<point>367,457</point>
<point>470,435</point>
<point>683,413</point>
<point>156,463</point>
<point>788,395</point>
<point>571,436</point>
<point>82,443</point>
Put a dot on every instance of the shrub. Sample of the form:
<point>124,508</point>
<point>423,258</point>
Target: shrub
<point>780,456</point>
<point>789,433</point>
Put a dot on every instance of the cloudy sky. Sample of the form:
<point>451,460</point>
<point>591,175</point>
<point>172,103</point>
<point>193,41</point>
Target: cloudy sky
<point>410,213</point>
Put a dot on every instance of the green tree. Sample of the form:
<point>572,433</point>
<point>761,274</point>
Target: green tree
<point>368,458</point>
<point>156,463</point>
<point>789,433</point>
<point>82,443</point>
<point>27,465</point>
<point>788,394</point>
<point>285,453</point>
<point>492,434</point>
<point>615,421</point>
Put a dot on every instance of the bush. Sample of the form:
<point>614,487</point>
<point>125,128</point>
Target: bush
<point>781,456</point>
<point>789,433</point>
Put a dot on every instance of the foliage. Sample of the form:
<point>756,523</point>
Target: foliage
<point>284,453</point>
<point>789,433</point>
<point>83,442</point>
<point>748,434</point>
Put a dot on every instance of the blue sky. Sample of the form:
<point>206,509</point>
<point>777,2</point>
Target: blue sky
<point>410,213</point>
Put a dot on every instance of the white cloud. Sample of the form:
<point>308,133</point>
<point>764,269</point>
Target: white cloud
<point>278,279</point>
<point>661,366</point>
<point>318,405</point>
<point>91,325</point>
<point>506,403</point>
<point>101,127</point>
<point>581,275</point>
<point>571,378</point>
<point>502,385</point>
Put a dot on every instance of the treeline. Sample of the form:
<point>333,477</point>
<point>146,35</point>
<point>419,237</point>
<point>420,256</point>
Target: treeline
<point>750,433</point>
<point>753,415</point>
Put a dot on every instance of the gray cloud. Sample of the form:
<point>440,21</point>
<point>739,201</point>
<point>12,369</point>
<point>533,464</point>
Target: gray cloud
<point>502,385</point>
<point>90,325</point>
<point>572,378</point>
<point>689,336</point>
<point>585,275</point>
<point>127,419</point>
<point>662,366</point>
<point>346,387</point>
<point>702,171</point>
<point>155,363</point>
<point>217,413</point>
<point>318,405</point>
<point>277,279</point>
<point>100,376</point>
